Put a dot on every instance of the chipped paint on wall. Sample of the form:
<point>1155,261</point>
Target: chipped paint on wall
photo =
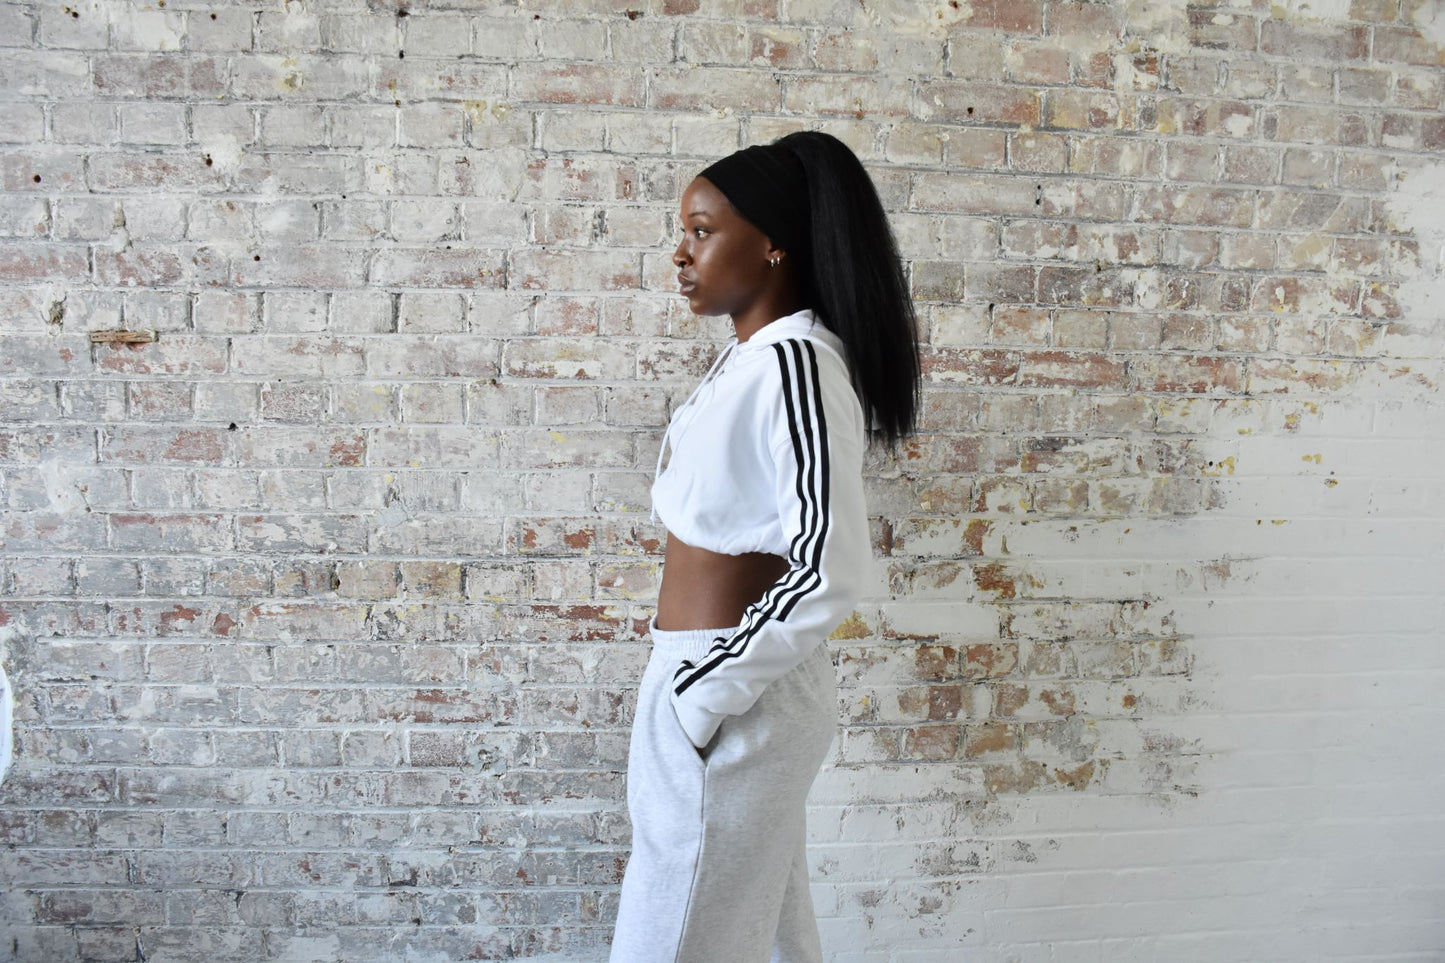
<point>1416,205</point>
<point>1161,26</point>
<point>1429,17</point>
<point>905,17</point>
<point>1310,9</point>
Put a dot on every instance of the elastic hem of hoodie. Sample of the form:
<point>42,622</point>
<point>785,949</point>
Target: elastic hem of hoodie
<point>685,643</point>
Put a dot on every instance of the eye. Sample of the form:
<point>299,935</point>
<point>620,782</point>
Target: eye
<point>695,230</point>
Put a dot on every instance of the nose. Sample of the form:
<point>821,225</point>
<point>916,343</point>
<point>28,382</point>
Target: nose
<point>679,253</point>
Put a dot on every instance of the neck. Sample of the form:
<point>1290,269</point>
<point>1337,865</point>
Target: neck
<point>747,322</point>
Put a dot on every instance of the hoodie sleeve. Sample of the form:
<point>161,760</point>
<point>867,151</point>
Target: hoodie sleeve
<point>816,436</point>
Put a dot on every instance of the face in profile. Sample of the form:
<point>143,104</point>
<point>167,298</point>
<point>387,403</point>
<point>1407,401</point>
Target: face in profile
<point>722,259</point>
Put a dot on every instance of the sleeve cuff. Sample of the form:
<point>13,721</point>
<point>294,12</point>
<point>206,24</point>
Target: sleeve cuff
<point>698,723</point>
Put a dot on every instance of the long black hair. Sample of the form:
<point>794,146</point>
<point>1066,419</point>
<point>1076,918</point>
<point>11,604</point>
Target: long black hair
<point>855,284</point>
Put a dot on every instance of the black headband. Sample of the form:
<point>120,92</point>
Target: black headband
<point>769,186</point>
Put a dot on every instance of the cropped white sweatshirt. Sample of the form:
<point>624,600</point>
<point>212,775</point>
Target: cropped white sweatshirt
<point>767,456</point>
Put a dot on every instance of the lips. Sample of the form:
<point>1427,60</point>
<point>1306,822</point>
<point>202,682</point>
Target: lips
<point>685,284</point>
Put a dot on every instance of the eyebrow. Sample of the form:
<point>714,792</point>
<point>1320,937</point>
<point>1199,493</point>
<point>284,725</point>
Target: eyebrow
<point>696,213</point>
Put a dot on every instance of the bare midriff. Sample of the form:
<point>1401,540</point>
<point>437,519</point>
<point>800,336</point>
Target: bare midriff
<point>708,590</point>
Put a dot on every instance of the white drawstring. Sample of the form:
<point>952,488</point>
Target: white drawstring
<point>662,448</point>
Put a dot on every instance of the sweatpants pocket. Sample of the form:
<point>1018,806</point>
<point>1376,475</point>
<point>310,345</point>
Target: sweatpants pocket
<point>684,743</point>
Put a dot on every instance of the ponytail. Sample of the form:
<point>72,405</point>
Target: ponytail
<point>854,282</point>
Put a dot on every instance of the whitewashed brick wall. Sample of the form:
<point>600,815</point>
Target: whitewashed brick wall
<point>324,610</point>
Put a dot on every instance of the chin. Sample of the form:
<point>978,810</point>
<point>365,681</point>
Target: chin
<point>703,308</point>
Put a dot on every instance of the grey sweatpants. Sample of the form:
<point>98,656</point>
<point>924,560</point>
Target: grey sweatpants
<point>718,872</point>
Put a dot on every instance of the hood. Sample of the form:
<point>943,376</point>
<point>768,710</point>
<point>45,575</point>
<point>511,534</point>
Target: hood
<point>802,323</point>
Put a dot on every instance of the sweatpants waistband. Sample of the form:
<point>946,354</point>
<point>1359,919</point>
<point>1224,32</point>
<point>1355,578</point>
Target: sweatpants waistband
<point>685,643</point>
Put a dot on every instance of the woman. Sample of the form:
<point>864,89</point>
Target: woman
<point>767,549</point>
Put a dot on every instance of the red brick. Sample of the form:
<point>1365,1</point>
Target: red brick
<point>976,103</point>
<point>1012,16</point>
<point>560,83</point>
<point>1322,41</point>
<point>1081,369</point>
<point>931,743</point>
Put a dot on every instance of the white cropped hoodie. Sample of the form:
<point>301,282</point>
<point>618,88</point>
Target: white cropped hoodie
<point>767,456</point>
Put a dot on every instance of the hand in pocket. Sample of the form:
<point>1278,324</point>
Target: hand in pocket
<point>705,753</point>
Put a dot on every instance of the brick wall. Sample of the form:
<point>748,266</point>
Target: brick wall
<point>324,609</point>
